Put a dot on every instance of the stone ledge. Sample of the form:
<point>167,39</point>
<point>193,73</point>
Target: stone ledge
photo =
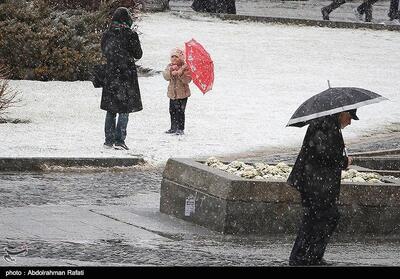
<point>311,22</point>
<point>391,163</point>
<point>234,205</point>
<point>386,152</point>
<point>301,22</point>
<point>40,163</point>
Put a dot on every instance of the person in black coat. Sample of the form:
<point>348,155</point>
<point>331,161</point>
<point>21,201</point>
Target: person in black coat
<point>204,6</point>
<point>214,6</point>
<point>316,174</point>
<point>121,94</point>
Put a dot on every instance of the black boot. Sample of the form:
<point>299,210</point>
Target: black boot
<point>170,131</point>
<point>328,9</point>
<point>325,13</point>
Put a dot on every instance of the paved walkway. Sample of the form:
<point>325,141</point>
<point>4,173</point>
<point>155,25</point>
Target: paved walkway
<point>112,218</point>
<point>310,9</point>
<point>306,10</point>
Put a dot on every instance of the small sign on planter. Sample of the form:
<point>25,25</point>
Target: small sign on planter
<point>190,205</point>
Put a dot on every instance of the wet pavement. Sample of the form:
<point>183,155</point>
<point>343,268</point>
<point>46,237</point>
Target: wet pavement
<point>110,217</point>
<point>83,220</point>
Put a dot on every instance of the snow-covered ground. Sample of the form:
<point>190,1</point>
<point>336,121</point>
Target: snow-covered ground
<point>263,73</point>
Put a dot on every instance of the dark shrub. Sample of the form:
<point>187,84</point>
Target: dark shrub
<point>41,44</point>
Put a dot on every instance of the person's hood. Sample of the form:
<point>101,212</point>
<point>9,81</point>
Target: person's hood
<point>122,16</point>
<point>178,52</point>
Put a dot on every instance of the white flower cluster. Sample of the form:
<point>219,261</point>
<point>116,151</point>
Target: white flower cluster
<point>281,171</point>
<point>356,176</point>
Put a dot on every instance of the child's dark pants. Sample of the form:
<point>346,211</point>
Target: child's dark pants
<point>177,112</point>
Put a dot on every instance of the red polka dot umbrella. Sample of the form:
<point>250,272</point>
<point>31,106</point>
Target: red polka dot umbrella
<point>200,64</point>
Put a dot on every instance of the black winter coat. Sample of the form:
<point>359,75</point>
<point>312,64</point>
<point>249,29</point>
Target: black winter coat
<point>121,46</point>
<point>318,167</point>
<point>214,6</point>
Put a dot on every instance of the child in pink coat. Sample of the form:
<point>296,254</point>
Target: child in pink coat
<point>178,75</point>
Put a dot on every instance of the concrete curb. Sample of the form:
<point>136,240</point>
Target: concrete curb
<point>386,152</point>
<point>378,162</point>
<point>384,162</point>
<point>311,22</point>
<point>42,163</point>
<point>304,22</point>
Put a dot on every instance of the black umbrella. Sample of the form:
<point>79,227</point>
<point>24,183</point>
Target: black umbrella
<point>331,101</point>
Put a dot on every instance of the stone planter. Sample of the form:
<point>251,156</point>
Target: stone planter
<point>230,204</point>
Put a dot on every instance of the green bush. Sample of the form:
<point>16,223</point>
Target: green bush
<point>39,43</point>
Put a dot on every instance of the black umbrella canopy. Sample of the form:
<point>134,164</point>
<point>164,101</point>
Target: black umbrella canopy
<point>332,101</point>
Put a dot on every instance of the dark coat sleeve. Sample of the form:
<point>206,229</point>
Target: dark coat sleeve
<point>135,48</point>
<point>321,157</point>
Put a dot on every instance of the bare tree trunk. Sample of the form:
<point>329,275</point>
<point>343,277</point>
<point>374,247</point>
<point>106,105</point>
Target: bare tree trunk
<point>8,97</point>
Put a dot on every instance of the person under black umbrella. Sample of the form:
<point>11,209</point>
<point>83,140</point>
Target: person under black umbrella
<point>316,174</point>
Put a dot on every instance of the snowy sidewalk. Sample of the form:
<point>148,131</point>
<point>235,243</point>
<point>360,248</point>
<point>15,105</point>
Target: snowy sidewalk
<point>263,73</point>
<point>304,11</point>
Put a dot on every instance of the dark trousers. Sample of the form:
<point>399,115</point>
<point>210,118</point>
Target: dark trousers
<point>214,6</point>
<point>207,6</point>
<point>366,8</point>
<point>334,5</point>
<point>177,112</point>
<point>318,223</point>
<point>394,10</point>
<point>115,132</point>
